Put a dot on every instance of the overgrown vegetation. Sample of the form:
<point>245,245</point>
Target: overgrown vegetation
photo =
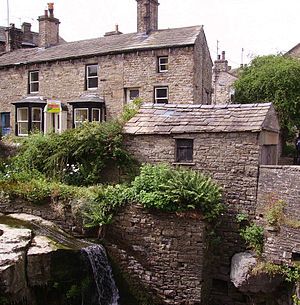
<point>253,235</point>
<point>290,273</point>
<point>159,187</point>
<point>275,213</point>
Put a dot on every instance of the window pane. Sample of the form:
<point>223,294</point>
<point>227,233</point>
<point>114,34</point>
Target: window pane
<point>92,70</point>
<point>81,115</point>
<point>96,115</point>
<point>92,83</point>
<point>34,76</point>
<point>162,101</point>
<point>22,128</point>
<point>36,126</point>
<point>161,92</point>
<point>23,114</point>
<point>133,94</point>
<point>6,120</point>
<point>184,150</point>
<point>163,60</point>
<point>36,114</point>
<point>34,87</point>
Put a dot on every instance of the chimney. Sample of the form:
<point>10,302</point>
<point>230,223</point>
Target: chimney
<point>115,32</point>
<point>14,38</point>
<point>27,34</point>
<point>48,28</point>
<point>221,64</point>
<point>147,15</point>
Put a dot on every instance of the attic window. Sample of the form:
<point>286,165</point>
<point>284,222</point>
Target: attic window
<point>91,77</point>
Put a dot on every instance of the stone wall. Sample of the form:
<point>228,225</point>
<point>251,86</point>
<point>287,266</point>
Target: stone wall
<point>65,80</point>
<point>61,213</point>
<point>164,252</point>
<point>282,242</point>
<point>222,85</point>
<point>232,160</point>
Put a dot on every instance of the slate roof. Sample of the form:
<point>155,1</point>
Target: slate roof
<point>104,45</point>
<point>35,37</point>
<point>179,118</point>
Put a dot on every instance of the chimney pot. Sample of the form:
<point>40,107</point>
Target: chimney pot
<point>219,57</point>
<point>117,28</point>
<point>51,9</point>
<point>223,55</point>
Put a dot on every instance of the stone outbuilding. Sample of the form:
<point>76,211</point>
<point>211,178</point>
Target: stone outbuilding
<point>227,142</point>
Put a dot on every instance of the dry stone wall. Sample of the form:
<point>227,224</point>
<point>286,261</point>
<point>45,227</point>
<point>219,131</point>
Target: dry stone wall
<point>165,252</point>
<point>282,243</point>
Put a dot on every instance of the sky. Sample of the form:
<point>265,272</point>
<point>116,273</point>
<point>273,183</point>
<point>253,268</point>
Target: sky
<point>258,27</point>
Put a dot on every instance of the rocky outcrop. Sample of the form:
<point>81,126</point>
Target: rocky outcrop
<point>29,247</point>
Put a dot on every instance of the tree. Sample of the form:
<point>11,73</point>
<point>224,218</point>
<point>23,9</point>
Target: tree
<point>276,79</point>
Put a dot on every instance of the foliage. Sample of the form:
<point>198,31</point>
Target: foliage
<point>273,79</point>
<point>77,156</point>
<point>169,189</point>
<point>254,237</point>
<point>242,217</point>
<point>131,109</point>
<point>106,203</point>
<point>290,274</point>
<point>296,300</point>
<point>275,213</point>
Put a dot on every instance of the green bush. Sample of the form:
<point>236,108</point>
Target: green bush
<point>275,213</point>
<point>254,237</point>
<point>77,156</point>
<point>169,189</point>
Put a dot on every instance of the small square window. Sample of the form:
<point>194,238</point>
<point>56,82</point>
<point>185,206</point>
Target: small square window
<point>184,150</point>
<point>163,64</point>
<point>33,86</point>
<point>161,95</point>
<point>91,77</point>
<point>132,94</point>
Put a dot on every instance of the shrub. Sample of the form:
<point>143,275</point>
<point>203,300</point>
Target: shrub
<point>275,213</point>
<point>254,237</point>
<point>169,189</point>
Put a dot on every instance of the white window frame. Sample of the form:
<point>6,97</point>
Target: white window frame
<point>157,99</point>
<point>99,117</point>
<point>91,77</point>
<point>40,121</point>
<point>22,121</point>
<point>128,99</point>
<point>78,123</point>
<point>34,81</point>
<point>160,64</point>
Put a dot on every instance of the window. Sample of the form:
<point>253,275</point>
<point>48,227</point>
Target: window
<point>5,123</point>
<point>184,150</point>
<point>22,121</point>
<point>132,94</point>
<point>91,77</point>
<point>96,115</point>
<point>33,86</point>
<point>163,64</point>
<point>36,119</point>
<point>161,95</point>
<point>81,115</point>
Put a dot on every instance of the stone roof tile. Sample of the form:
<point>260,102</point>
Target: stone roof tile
<point>181,118</point>
<point>104,45</point>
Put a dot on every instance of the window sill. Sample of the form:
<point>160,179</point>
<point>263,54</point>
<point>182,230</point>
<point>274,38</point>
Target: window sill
<point>184,163</point>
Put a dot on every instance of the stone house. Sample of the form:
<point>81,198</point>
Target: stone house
<point>222,81</point>
<point>58,86</point>
<point>227,142</point>
<point>294,52</point>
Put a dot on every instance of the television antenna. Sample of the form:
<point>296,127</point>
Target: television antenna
<point>7,7</point>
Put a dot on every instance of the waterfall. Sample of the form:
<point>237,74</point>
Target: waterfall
<point>106,288</point>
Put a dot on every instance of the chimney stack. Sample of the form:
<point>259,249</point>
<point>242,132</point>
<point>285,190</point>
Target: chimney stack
<point>14,38</point>
<point>48,28</point>
<point>221,64</point>
<point>223,55</point>
<point>147,15</point>
<point>27,34</point>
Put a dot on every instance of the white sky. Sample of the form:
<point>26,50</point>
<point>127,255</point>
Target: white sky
<point>258,26</point>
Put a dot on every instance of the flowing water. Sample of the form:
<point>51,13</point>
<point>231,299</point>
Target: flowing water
<point>106,288</point>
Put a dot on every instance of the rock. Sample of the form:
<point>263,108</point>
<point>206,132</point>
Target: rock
<point>247,282</point>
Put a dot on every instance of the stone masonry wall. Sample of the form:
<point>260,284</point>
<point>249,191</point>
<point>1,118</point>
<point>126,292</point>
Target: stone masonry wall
<point>222,85</point>
<point>65,80</point>
<point>282,243</point>
<point>164,252</point>
<point>232,160</point>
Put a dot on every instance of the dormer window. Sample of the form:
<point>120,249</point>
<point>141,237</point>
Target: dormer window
<point>163,64</point>
<point>91,77</point>
<point>33,85</point>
